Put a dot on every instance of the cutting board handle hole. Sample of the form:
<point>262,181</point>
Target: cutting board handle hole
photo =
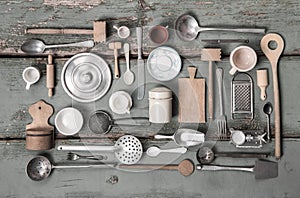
<point>40,107</point>
<point>272,45</point>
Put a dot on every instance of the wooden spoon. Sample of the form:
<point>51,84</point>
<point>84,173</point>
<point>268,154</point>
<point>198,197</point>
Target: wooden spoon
<point>273,56</point>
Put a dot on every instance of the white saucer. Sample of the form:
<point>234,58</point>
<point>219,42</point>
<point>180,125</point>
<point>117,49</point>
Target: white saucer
<point>68,121</point>
<point>164,63</point>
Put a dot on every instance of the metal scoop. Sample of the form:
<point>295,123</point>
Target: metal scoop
<point>37,46</point>
<point>187,28</point>
<point>40,167</point>
<point>184,137</point>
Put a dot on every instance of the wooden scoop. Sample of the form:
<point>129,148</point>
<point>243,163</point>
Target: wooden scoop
<point>115,46</point>
<point>273,56</point>
<point>39,134</point>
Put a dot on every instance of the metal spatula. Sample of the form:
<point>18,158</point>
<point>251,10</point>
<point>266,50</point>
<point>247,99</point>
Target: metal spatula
<point>262,169</point>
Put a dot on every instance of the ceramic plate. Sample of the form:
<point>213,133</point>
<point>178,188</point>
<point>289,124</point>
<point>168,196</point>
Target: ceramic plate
<point>86,77</point>
<point>68,121</point>
<point>164,63</point>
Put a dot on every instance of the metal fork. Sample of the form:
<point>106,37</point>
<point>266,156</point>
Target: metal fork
<point>74,157</point>
<point>221,120</point>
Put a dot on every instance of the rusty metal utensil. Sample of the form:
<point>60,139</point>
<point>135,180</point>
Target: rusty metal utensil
<point>273,56</point>
<point>39,167</point>
<point>187,28</point>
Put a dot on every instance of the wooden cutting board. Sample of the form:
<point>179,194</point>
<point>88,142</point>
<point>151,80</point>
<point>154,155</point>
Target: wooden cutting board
<point>191,98</point>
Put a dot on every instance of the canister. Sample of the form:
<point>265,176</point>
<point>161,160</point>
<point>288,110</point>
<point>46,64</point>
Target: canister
<point>160,105</point>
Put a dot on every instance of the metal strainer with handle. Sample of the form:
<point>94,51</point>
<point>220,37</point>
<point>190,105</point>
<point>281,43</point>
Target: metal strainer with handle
<point>128,149</point>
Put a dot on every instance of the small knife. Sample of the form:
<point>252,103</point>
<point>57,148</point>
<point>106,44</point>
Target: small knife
<point>141,66</point>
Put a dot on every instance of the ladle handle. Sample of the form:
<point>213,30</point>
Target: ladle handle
<point>84,166</point>
<point>241,30</point>
<point>158,137</point>
<point>223,168</point>
<point>85,148</point>
<point>79,44</point>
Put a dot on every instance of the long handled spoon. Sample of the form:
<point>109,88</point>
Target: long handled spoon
<point>154,151</point>
<point>37,46</point>
<point>128,75</point>
<point>273,56</point>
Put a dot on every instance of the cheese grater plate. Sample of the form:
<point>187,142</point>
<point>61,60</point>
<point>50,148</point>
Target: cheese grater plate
<point>242,97</point>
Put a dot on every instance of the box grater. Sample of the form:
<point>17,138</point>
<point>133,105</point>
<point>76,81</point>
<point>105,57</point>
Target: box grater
<point>242,96</point>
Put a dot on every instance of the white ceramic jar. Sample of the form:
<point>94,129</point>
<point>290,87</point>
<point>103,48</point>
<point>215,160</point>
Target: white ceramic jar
<point>160,105</point>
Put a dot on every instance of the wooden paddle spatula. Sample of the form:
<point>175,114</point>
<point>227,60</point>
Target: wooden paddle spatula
<point>115,46</point>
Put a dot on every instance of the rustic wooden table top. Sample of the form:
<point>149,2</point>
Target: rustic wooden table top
<point>281,17</point>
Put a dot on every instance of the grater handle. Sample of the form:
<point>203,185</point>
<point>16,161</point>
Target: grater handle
<point>219,74</point>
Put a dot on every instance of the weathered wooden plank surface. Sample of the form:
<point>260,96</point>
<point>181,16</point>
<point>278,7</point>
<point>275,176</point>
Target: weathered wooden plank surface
<point>276,16</point>
<point>92,183</point>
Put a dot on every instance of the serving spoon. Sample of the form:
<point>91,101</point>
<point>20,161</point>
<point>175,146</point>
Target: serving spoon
<point>187,28</point>
<point>37,46</point>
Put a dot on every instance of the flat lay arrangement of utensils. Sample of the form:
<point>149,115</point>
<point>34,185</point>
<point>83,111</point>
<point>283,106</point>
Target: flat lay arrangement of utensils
<point>39,167</point>
<point>38,46</point>
<point>128,149</point>
<point>100,122</point>
<point>86,77</point>
<point>184,137</point>
<point>75,157</point>
<point>154,151</point>
<point>191,96</point>
<point>187,28</point>
<point>221,119</point>
<point>210,55</point>
<point>273,56</point>
<point>128,75</point>
<point>267,109</point>
<point>140,65</point>
<point>262,169</point>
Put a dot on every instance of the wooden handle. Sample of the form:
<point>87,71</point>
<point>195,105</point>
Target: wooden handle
<point>50,76</point>
<point>273,56</point>
<point>57,31</point>
<point>192,72</point>
<point>210,91</point>
<point>117,75</point>
<point>150,167</point>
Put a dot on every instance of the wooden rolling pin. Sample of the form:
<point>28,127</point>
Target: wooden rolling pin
<point>50,76</point>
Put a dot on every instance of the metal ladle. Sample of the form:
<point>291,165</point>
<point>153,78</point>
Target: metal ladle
<point>187,28</point>
<point>37,46</point>
<point>39,168</point>
<point>268,109</point>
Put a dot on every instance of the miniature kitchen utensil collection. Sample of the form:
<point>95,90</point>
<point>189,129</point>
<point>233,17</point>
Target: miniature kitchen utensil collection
<point>86,77</point>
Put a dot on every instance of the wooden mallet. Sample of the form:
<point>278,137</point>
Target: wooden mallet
<point>99,31</point>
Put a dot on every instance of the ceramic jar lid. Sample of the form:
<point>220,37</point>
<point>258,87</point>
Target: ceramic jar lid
<point>160,93</point>
<point>86,77</point>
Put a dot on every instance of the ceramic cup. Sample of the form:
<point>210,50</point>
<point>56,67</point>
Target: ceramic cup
<point>242,59</point>
<point>31,75</point>
<point>123,31</point>
<point>120,102</point>
<point>158,34</point>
